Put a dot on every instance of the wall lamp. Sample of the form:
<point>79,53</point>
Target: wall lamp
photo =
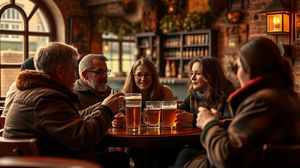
<point>278,18</point>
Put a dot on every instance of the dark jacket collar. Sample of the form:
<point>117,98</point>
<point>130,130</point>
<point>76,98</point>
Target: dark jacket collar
<point>254,85</point>
<point>30,79</point>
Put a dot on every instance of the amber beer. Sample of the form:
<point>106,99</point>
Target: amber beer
<point>152,114</point>
<point>133,110</point>
<point>169,114</point>
<point>152,117</point>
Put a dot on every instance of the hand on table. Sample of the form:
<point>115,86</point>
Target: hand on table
<point>205,116</point>
<point>119,121</point>
<point>184,119</point>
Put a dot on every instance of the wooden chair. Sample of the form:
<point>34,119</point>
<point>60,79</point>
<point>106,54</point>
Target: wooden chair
<point>18,147</point>
<point>45,162</point>
<point>283,156</point>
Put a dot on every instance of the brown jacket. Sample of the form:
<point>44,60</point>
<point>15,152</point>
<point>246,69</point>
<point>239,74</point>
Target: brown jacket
<point>47,110</point>
<point>87,96</point>
<point>265,111</point>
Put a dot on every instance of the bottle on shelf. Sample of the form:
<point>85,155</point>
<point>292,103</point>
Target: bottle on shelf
<point>168,69</point>
<point>173,69</point>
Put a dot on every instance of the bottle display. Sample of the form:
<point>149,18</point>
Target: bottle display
<point>171,52</point>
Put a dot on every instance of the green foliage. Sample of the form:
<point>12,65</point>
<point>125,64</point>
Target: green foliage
<point>117,26</point>
<point>192,21</point>
<point>170,23</point>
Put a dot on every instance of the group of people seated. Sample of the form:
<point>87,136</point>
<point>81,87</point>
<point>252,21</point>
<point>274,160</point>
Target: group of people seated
<point>70,116</point>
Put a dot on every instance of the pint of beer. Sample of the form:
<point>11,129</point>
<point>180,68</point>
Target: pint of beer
<point>168,114</point>
<point>133,107</point>
<point>151,114</point>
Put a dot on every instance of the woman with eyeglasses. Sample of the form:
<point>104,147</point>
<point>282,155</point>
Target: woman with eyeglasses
<point>207,87</point>
<point>143,78</point>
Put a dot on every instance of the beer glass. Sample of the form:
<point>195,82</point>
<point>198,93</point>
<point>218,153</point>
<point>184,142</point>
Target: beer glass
<point>151,114</point>
<point>168,114</point>
<point>133,106</point>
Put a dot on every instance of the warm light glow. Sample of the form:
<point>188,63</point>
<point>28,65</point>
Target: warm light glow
<point>278,23</point>
<point>171,9</point>
<point>105,47</point>
<point>148,52</point>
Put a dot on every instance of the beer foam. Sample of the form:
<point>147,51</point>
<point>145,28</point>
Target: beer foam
<point>136,98</point>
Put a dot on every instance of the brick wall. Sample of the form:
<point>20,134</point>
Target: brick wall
<point>256,23</point>
<point>256,27</point>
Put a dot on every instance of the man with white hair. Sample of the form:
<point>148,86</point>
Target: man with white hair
<point>92,86</point>
<point>46,108</point>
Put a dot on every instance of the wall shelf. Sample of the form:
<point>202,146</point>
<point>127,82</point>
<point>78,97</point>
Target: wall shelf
<point>173,51</point>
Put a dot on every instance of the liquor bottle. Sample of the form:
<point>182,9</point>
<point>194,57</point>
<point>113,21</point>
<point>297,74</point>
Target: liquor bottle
<point>168,69</point>
<point>173,69</point>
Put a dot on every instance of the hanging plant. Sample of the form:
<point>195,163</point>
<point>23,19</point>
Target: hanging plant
<point>116,26</point>
<point>170,23</point>
<point>193,21</point>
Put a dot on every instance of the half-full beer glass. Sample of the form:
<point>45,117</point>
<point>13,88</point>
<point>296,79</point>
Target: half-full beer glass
<point>151,114</point>
<point>168,114</point>
<point>133,106</point>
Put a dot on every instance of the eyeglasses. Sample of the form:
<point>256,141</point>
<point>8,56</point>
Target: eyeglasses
<point>140,75</point>
<point>100,71</point>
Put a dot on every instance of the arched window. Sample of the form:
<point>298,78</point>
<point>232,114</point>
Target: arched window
<point>24,26</point>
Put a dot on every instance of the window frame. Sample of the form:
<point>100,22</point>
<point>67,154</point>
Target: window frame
<point>120,52</point>
<point>26,34</point>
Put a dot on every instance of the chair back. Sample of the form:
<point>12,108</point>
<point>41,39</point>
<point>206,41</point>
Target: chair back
<point>45,162</point>
<point>18,147</point>
<point>283,156</point>
<point>2,122</point>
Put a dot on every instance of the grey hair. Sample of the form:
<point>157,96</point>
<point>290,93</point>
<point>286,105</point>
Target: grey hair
<point>49,56</point>
<point>86,62</point>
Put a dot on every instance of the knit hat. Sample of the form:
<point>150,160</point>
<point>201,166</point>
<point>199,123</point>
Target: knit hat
<point>28,64</point>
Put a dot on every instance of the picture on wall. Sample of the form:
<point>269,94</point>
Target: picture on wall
<point>80,28</point>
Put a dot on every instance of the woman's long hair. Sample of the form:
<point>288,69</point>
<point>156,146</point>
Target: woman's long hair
<point>155,91</point>
<point>263,57</point>
<point>218,87</point>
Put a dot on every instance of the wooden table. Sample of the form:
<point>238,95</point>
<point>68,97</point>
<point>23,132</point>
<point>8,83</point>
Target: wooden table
<point>147,138</point>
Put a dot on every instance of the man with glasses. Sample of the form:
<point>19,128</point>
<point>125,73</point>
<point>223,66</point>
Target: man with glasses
<point>92,86</point>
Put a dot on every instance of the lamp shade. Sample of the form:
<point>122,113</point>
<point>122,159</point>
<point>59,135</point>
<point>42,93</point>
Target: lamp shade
<point>278,22</point>
<point>277,18</point>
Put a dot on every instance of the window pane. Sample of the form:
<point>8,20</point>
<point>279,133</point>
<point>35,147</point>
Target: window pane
<point>35,42</point>
<point>38,22</point>
<point>113,56</point>
<point>7,77</point>
<point>113,65</point>
<point>26,5</point>
<point>109,36</point>
<point>12,50</point>
<point>127,65</point>
<point>11,20</point>
<point>128,55</point>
